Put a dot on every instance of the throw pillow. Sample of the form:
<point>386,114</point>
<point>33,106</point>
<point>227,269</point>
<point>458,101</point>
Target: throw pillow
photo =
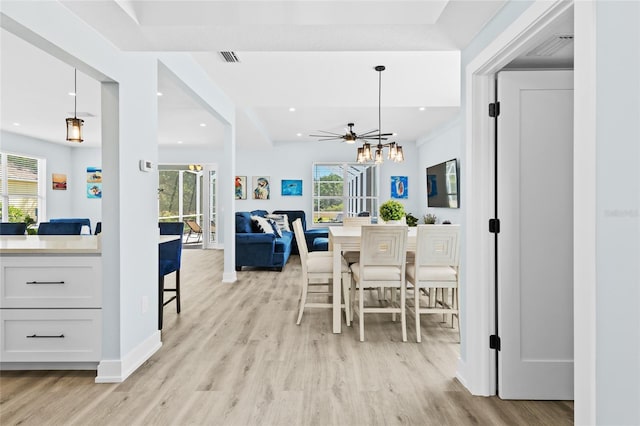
<point>276,230</point>
<point>262,224</point>
<point>281,220</point>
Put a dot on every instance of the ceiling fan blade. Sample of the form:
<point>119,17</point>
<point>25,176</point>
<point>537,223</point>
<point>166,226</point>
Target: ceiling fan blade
<point>326,136</point>
<point>372,138</point>
<point>329,139</point>
<point>369,132</point>
<point>328,133</point>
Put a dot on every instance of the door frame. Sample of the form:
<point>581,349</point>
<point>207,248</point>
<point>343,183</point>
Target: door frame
<point>476,367</point>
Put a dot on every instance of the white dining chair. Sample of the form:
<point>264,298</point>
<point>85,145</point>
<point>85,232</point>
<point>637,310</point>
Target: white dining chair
<point>435,270</point>
<point>382,264</point>
<point>317,274</point>
<point>354,256</point>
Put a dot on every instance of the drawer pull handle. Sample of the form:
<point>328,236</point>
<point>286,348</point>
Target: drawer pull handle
<point>45,282</point>
<point>35,336</point>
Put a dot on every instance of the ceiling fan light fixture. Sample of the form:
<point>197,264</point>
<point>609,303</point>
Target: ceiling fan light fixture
<point>74,124</point>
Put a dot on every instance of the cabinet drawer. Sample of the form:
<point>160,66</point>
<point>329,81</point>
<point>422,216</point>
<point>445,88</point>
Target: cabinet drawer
<point>51,282</point>
<point>50,335</point>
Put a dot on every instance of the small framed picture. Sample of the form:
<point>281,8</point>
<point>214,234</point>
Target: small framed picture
<point>59,181</point>
<point>291,187</point>
<point>399,187</point>
<point>261,188</point>
<point>241,188</point>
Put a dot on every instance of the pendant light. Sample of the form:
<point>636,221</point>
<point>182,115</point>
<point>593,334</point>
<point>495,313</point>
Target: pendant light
<point>395,150</point>
<point>74,125</point>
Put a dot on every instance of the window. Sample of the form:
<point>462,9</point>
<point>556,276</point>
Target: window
<point>343,189</point>
<point>22,188</point>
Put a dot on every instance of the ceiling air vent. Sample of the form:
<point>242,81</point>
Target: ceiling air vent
<point>230,56</point>
<point>552,45</point>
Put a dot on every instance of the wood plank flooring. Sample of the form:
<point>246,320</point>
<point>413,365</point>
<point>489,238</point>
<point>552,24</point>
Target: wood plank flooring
<point>234,356</point>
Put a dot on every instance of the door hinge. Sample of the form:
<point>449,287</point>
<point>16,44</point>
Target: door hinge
<point>494,342</point>
<point>494,109</point>
<point>494,226</point>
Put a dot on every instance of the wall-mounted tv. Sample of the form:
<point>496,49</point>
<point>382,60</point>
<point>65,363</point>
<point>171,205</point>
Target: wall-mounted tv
<point>442,185</point>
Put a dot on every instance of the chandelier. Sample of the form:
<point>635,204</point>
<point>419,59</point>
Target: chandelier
<point>367,152</point>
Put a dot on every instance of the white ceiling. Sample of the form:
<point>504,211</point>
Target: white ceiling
<point>317,56</point>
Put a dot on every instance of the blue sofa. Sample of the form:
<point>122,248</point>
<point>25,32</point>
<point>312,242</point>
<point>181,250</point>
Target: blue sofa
<point>309,234</point>
<point>254,248</point>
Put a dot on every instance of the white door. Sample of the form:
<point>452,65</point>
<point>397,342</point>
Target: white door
<point>535,243</point>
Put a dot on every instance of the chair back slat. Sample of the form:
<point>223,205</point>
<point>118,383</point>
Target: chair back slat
<point>300,240</point>
<point>59,228</point>
<point>438,245</point>
<point>13,228</point>
<point>383,245</point>
<point>356,221</point>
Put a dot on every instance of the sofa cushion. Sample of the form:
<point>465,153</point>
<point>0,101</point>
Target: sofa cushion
<point>261,213</point>
<point>243,223</point>
<point>283,243</point>
<point>281,220</point>
<point>292,215</point>
<point>263,224</point>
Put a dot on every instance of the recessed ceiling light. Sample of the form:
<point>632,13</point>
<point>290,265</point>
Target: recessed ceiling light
<point>203,124</point>
<point>292,109</point>
<point>179,141</point>
<point>298,134</point>
<point>16,124</point>
<point>159,93</point>
<point>71,94</point>
<point>421,108</point>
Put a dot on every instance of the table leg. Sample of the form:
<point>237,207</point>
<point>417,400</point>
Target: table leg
<point>337,288</point>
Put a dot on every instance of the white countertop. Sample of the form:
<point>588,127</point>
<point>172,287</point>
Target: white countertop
<point>50,244</point>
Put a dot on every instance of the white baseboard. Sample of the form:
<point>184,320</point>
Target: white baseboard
<point>48,365</point>
<point>461,373</point>
<point>229,277</point>
<point>116,371</point>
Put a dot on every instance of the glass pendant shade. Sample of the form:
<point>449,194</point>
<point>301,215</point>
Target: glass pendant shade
<point>74,129</point>
<point>74,125</point>
<point>399,155</point>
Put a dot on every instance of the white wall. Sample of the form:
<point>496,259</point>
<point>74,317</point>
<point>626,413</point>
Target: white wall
<point>442,146</point>
<point>617,213</point>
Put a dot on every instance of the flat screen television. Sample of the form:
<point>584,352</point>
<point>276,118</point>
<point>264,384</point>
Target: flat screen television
<point>442,185</point>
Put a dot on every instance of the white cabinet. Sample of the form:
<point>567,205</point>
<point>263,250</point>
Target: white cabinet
<point>50,309</point>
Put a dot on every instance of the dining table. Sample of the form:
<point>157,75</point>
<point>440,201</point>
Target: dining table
<point>347,238</point>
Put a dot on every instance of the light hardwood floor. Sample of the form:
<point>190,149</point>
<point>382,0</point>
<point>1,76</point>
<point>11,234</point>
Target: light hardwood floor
<point>234,356</point>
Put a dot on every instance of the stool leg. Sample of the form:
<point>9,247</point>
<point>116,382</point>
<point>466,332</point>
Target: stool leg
<point>178,290</point>
<point>160,300</point>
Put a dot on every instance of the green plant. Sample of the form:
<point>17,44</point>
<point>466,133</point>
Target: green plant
<point>391,210</point>
<point>412,220</point>
<point>430,218</point>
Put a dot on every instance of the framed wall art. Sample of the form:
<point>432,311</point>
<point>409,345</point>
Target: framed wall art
<point>241,188</point>
<point>291,187</point>
<point>58,181</point>
<point>94,182</point>
<point>261,188</point>
<point>399,187</point>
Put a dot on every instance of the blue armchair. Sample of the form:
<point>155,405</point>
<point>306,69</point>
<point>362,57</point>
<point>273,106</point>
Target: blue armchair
<point>257,249</point>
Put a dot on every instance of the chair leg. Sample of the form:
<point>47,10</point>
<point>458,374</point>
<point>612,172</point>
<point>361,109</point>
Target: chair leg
<point>352,296</point>
<point>178,290</point>
<point>303,299</point>
<point>346,278</point>
<point>160,300</point>
<point>416,305</point>
<point>393,301</point>
<point>360,311</point>
<point>403,311</point>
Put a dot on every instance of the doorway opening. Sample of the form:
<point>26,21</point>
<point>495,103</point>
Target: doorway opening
<point>188,193</point>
